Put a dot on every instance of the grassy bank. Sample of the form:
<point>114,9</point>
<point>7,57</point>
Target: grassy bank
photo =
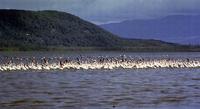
<point>128,49</point>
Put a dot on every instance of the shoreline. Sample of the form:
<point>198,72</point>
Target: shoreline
<point>119,49</point>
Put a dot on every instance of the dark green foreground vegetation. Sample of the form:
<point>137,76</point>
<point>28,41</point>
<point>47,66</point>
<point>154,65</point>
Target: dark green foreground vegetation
<point>51,30</point>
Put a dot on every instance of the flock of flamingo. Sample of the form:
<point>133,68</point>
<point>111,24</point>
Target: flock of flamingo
<point>99,62</point>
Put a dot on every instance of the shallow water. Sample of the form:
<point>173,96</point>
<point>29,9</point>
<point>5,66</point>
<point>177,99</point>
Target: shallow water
<point>102,89</point>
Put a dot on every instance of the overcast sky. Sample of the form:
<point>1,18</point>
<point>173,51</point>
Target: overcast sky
<point>104,11</point>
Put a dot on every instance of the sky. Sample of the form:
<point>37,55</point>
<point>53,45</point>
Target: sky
<point>109,11</point>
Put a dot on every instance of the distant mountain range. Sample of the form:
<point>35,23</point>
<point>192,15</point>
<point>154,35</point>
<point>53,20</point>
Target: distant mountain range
<point>35,30</point>
<point>184,29</point>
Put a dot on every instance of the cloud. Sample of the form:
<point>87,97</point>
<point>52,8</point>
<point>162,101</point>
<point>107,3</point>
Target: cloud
<point>109,10</point>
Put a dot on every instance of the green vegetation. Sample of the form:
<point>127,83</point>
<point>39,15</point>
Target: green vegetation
<point>52,30</point>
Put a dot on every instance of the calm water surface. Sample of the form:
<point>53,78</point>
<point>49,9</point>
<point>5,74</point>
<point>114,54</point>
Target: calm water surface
<point>101,89</point>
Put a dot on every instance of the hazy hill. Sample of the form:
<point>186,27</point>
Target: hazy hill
<point>176,28</point>
<point>27,30</point>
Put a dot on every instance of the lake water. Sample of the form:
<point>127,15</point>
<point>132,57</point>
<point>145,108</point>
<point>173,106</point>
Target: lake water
<point>160,88</point>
